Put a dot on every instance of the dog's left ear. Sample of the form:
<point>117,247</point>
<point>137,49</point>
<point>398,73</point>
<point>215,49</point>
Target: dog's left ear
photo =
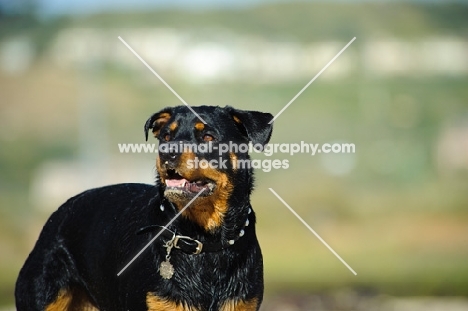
<point>252,124</point>
<point>157,121</point>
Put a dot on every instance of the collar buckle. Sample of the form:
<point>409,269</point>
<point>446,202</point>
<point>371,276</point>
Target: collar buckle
<point>198,249</point>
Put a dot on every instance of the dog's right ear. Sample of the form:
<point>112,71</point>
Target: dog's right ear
<point>157,121</point>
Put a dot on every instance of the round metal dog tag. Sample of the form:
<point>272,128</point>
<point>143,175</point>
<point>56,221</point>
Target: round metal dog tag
<point>166,270</point>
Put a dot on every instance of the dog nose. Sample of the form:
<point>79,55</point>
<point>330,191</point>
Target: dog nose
<point>169,152</point>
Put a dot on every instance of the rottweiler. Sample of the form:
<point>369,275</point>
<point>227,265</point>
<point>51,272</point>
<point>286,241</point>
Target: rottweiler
<point>196,221</point>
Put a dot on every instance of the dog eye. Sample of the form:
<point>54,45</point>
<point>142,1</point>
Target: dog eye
<point>208,137</point>
<point>167,137</point>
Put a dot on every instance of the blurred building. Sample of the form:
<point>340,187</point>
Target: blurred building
<point>227,57</point>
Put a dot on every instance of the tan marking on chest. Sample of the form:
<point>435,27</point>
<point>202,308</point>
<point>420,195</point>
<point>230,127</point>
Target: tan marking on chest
<point>71,300</point>
<point>239,305</point>
<point>155,303</point>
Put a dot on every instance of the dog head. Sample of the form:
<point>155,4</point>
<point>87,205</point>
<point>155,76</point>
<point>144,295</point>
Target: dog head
<point>210,157</point>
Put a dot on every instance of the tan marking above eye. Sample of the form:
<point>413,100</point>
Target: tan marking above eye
<point>173,126</point>
<point>167,137</point>
<point>199,126</point>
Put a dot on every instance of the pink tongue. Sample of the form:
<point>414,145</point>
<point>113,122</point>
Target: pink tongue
<point>176,182</point>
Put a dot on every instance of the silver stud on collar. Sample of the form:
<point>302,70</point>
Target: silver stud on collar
<point>242,231</point>
<point>162,208</point>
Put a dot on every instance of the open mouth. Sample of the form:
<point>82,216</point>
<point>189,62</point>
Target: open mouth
<point>178,184</point>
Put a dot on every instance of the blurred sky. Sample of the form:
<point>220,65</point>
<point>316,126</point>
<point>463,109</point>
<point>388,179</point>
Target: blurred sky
<point>54,7</point>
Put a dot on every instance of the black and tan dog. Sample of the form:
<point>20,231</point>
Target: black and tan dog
<point>206,259</point>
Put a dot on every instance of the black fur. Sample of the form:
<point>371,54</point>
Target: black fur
<point>92,236</point>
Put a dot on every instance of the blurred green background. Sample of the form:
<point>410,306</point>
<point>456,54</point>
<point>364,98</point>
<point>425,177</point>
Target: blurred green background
<point>396,210</point>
